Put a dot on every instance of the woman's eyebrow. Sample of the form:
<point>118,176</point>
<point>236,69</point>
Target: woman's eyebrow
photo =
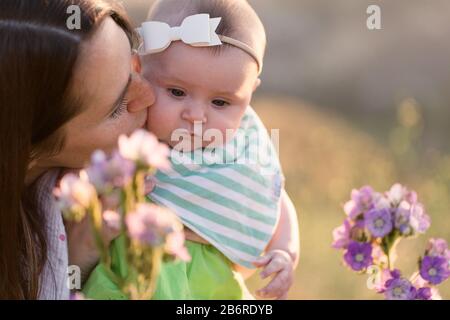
<point>121,97</point>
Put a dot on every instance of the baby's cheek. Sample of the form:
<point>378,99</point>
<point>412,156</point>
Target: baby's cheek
<point>230,125</point>
<point>155,121</point>
<point>227,133</point>
<point>155,112</point>
<point>160,121</point>
<point>150,118</point>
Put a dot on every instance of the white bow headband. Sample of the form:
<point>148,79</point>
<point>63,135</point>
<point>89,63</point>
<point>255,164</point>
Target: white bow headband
<point>198,31</point>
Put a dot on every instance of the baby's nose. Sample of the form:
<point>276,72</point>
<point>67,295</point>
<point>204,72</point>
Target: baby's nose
<point>194,114</point>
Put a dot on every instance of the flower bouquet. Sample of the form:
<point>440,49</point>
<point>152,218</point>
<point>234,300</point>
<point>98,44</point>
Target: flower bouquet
<point>111,191</point>
<point>374,225</point>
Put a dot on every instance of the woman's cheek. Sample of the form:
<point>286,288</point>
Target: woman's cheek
<point>125,124</point>
<point>133,121</point>
<point>106,137</point>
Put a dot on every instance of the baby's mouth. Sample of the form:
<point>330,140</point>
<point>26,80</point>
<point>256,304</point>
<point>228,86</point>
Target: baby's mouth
<point>192,135</point>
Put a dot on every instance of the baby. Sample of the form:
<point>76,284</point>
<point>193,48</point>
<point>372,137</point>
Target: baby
<point>204,58</point>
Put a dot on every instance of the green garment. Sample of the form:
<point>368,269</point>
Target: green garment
<point>208,276</point>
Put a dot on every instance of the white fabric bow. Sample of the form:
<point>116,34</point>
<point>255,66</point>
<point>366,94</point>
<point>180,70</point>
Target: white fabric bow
<point>198,30</point>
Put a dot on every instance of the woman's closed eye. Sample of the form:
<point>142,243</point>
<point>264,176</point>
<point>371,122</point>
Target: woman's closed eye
<point>121,108</point>
<point>177,93</point>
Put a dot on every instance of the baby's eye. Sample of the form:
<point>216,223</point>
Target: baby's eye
<point>177,92</point>
<point>220,103</point>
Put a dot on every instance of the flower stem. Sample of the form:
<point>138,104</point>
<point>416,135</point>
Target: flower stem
<point>389,245</point>
<point>95,215</point>
<point>157,255</point>
<point>415,276</point>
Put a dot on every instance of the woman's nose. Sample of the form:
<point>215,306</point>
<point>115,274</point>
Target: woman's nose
<point>140,94</point>
<point>194,113</point>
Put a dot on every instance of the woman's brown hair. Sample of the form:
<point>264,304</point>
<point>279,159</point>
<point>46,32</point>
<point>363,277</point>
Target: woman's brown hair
<point>38,54</point>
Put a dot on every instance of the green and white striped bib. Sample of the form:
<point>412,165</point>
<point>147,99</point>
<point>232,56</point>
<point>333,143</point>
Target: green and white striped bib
<point>228,195</point>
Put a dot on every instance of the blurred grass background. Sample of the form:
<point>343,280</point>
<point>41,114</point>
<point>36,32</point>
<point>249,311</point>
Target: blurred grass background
<point>354,107</point>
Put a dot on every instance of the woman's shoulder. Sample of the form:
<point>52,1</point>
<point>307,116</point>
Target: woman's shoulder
<point>54,275</point>
<point>47,181</point>
<point>42,192</point>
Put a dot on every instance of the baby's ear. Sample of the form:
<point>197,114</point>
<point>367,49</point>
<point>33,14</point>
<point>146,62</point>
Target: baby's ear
<point>257,84</point>
<point>136,63</point>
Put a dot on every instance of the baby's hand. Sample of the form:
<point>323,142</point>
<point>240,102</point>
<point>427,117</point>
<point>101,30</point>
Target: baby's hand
<point>280,264</point>
<point>149,184</point>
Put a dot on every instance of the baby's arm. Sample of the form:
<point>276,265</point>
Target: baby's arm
<point>282,253</point>
<point>286,235</point>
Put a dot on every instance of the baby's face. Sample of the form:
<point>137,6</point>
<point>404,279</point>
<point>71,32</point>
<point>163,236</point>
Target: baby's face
<point>198,89</point>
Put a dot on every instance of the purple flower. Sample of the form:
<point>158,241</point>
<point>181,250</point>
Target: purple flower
<point>424,294</point>
<point>385,276</point>
<point>380,201</point>
<point>419,219</point>
<point>399,289</point>
<point>77,296</point>
<point>175,246</point>
<point>106,173</point>
<point>74,196</point>
<point>434,269</point>
<point>362,200</point>
<point>144,148</point>
<point>437,247</point>
<point>402,219</point>
<point>411,219</point>
<point>341,235</point>
<point>396,274</point>
<point>75,190</point>
<point>112,220</point>
<point>419,282</point>
<point>148,224</point>
<point>379,222</point>
<point>156,226</point>
<point>381,279</point>
<point>399,193</point>
<point>358,255</point>
<point>379,257</point>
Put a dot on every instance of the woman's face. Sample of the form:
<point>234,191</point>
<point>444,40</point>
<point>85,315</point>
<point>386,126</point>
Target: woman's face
<point>114,96</point>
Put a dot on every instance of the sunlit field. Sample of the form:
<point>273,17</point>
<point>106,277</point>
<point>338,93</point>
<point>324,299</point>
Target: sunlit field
<point>324,156</point>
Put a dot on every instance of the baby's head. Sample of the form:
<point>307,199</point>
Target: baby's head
<point>208,85</point>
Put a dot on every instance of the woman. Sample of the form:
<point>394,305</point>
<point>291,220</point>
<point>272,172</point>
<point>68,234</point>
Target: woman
<point>63,94</point>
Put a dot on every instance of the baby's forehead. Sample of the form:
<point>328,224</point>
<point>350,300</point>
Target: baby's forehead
<point>229,68</point>
<point>230,71</point>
